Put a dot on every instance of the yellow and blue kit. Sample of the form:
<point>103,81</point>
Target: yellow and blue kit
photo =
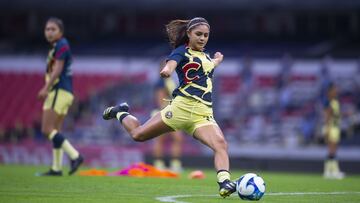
<point>60,96</point>
<point>191,107</point>
<point>195,71</point>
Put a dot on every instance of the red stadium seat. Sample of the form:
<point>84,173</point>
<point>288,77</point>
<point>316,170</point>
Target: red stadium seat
<point>20,90</point>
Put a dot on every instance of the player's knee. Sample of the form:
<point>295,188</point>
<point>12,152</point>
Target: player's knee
<point>46,131</point>
<point>222,144</point>
<point>138,136</point>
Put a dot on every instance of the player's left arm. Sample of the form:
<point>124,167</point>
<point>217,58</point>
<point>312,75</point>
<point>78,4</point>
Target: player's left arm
<point>218,58</point>
<point>58,66</point>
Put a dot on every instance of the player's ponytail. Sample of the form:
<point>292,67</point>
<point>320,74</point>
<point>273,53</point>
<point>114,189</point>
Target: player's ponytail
<point>176,30</point>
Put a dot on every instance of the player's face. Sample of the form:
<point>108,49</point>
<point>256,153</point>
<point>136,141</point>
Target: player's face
<point>52,32</point>
<point>198,37</point>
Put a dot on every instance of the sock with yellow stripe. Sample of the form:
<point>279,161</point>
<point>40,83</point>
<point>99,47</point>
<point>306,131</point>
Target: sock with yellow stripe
<point>223,175</point>
<point>121,115</point>
<point>59,142</point>
<point>70,150</point>
<point>57,152</point>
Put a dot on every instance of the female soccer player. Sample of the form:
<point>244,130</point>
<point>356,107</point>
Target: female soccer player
<point>163,91</point>
<point>191,107</point>
<point>58,96</point>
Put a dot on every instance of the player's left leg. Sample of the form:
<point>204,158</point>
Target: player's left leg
<point>212,136</point>
<point>75,157</point>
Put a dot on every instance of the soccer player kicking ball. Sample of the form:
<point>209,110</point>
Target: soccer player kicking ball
<point>191,108</point>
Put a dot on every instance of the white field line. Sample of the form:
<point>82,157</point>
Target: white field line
<point>175,197</point>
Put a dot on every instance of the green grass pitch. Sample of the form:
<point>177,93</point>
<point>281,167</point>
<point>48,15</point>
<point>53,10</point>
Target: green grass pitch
<point>18,184</point>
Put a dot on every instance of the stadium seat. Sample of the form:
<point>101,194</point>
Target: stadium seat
<point>21,90</point>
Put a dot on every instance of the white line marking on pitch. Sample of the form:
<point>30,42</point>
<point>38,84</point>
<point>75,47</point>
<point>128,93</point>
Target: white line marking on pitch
<point>174,197</point>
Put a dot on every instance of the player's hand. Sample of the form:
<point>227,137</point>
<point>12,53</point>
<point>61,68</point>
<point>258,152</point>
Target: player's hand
<point>218,58</point>
<point>168,69</point>
<point>43,93</point>
<point>165,73</point>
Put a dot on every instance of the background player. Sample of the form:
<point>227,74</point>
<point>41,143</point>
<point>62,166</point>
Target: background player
<point>332,133</point>
<point>58,95</point>
<point>163,91</point>
<point>191,109</point>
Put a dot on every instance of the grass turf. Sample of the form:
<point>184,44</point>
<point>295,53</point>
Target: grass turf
<point>18,184</point>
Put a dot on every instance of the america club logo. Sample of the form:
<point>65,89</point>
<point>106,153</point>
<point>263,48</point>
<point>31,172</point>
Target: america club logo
<point>168,114</point>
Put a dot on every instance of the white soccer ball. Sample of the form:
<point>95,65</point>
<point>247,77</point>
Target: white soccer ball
<point>250,187</point>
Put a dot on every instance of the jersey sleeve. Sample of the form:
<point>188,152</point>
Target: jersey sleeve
<point>177,54</point>
<point>62,50</point>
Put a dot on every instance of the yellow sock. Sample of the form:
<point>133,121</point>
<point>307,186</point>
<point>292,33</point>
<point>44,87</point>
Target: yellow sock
<point>327,167</point>
<point>70,150</point>
<point>335,166</point>
<point>175,163</point>
<point>160,164</point>
<point>57,159</point>
<point>223,175</point>
<point>119,114</point>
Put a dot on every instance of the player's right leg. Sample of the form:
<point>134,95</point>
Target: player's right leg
<point>140,133</point>
<point>48,122</point>
<point>331,165</point>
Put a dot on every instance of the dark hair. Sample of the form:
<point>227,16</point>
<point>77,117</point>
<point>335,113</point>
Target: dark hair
<point>176,30</point>
<point>58,22</point>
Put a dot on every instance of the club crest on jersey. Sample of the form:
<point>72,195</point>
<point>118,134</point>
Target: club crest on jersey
<point>168,114</point>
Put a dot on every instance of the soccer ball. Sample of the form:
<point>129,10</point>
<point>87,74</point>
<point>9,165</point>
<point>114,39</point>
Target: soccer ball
<point>250,187</point>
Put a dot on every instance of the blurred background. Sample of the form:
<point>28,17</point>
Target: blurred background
<point>280,55</point>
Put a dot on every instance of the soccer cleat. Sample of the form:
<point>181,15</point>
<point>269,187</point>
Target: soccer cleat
<point>75,164</point>
<point>50,173</point>
<point>227,187</point>
<point>110,112</point>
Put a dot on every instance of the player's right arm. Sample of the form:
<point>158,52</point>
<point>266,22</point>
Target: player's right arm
<point>168,69</point>
<point>57,69</point>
